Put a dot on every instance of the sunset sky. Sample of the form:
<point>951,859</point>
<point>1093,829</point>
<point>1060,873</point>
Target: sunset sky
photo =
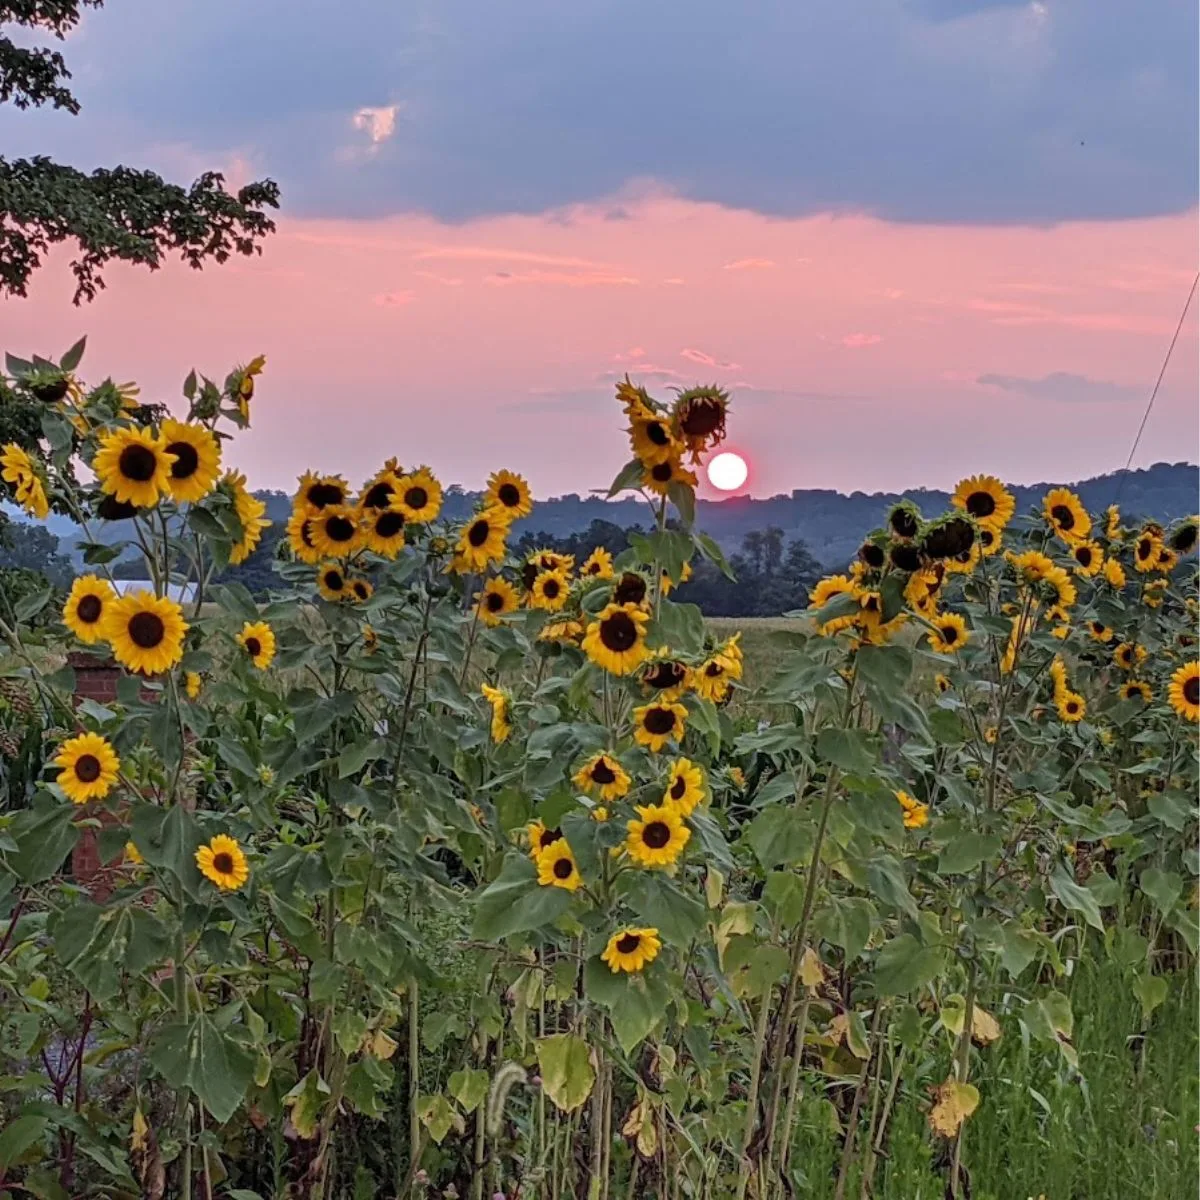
<point>915,238</point>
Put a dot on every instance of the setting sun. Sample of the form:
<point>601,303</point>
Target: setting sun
<point>727,471</point>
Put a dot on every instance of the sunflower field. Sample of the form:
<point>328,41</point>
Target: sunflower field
<point>444,873</point>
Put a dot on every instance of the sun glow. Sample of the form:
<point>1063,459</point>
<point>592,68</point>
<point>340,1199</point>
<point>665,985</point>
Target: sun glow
<point>727,471</point>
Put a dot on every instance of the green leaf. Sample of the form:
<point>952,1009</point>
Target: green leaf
<point>74,356</point>
<point>684,499</point>
<point>634,1016</point>
<point>515,902</point>
<point>17,1136</point>
<point>630,476</point>
<point>199,1056</point>
<point>965,852</point>
<point>29,606</point>
<point>468,1087</point>
<point>1076,898</point>
<point>1049,1017</point>
<point>846,922</point>
<point>1173,809</point>
<point>904,965</point>
<point>565,1064</point>
<point>1151,991</point>
<point>849,749</point>
<point>779,835</point>
<point>659,903</point>
<point>44,837</point>
<point>356,756</point>
<point>1163,887</point>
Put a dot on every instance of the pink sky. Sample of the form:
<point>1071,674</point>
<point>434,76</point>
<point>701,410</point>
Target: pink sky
<point>854,347</point>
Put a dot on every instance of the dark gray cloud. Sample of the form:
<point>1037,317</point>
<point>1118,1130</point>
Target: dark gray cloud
<point>1062,386</point>
<point>939,110</point>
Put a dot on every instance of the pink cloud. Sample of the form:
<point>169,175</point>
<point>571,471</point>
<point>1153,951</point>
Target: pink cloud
<point>394,299</point>
<point>631,355</point>
<point>856,341</point>
<point>750,264</point>
<point>707,360</point>
<point>578,279</point>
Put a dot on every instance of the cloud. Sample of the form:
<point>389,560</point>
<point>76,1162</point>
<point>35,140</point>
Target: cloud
<point>377,123</point>
<point>750,264</point>
<point>573,279</point>
<point>707,360</point>
<point>857,341</point>
<point>1062,386</point>
<point>395,299</point>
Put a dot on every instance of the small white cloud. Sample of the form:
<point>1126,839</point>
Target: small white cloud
<point>377,123</point>
<point>707,360</point>
<point>750,264</point>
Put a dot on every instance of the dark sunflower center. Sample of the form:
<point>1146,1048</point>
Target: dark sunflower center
<point>389,524</point>
<point>1184,539</point>
<point>628,943</point>
<point>479,533</point>
<point>563,868</point>
<point>981,504</point>
<point>871,554</point>
<point>602,773</point>
<point>659,720</point>
<point>905,557</point>
<point>416,497</point>
<point>138,463</point>
<point>871,603</point>
<point>904,523</point>
<point>949,539</point>
<point>253,647</point>
<point>701,417</point>
<point>88,609</point>
<point>593,568</point>
<point>550,836</point>
<point>656,834</point>
<point>112,509</point>
<point>987,537</point>
<point>361,590</point>
<point>1191,689</point>
<point>51,393</point>
<point>1062,516</point>
<point>223,863</point>
<point>665,675</point>
<point>321,495</point>
<point>529,574</point>
<point>630,589</point>
<point>662,472</point>
<point>334,581</point>
<point>1097,627</point>
<point>495,601</point>
<point>146,629</point>
<point>509,495</point>
<point>187,459</point>
<point>1145,548</point>
<point>380,495</point>
<point>306,533</point>
<point>619,632</point>
<point>87,768</point>
<point>339,529</point>
<point>658,433</point>
<point>1083,556</point>
<point>949,634</point>
<point>1072,707</point>
<point>551,589</point>
<point>713,669</point>
<point>678,788</point>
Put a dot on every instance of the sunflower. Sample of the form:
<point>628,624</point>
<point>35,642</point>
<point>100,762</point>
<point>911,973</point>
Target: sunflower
<point>1058,675</point>
<point>17,468</point>
<point>904,556</point>
<point>378,491</point>
<point>1071,707</point>
<point>651,437</point>
<point>1066,515</point>
<point>685,787</point>
<point>370,639</point>
<point>657,836</point>
<point>602,776</point>
<point>616,639</point>
<point>1059,582</point>
<point>658,723</point>
<point>666,676</point>
<point>561,631</point>
<point>250,512</point>
<point>540,837</point>
<point>481,541</point>
<point>1184,691</point>
<point>1114,573</point>
<point>666,584</point>
<point>321,491</point>
<point>146,632</point>
<point>360,590</point>
<point>1152,593</point>
<point>1145,552</point>
<point>1129,655</point>
<point>88,767</point>
<point>903,520</point>
<point>986,499</point>
<point>509,493</point>
<point>418,497</point>
<point>384,531</point>
<point>1099,631</point>
<point>1089,558</point>
<point>1168,560</point>
<point>916,814</point>
<point>873,554</point>
<point>497,598</point>
<point>921,592</point>
<point>949,537</point>
<point>197,463</point>
<point>550,590</point>
<point>1136,688</point>
<point>631,588</point>
<point>241,386</point>
<point>258,641</point>
<point>949,633</point>
<point>991,541</point>
<point>1112,524</point>
<point>942,683</point>
<point>223,862</point>
<point>332,582</point>
<point>597,565</point>
<point>193,684</point>
<point>1185,536</point>
<point>336,531</point>
<point>133,855</point>
<point>108,508</point>
<point>133,465</point>
<point>631,950</point>
<point>1031,566</point>
<point>86,607</point>
<point>556,866</point>
<point>711,678</point>
<point>299,535</point>
<point>501,703</point>
<point>659,476</point>
<point>698,416</point>
<point>829,589</point>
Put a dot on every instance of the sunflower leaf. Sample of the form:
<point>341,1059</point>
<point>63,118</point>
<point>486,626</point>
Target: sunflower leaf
<point>630,476</point>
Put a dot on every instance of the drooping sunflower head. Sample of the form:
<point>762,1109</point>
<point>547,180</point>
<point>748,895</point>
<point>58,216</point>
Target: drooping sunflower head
<point>915,814</point>
<point>616,639</point>
<point>1057,585</point>
<point>497,599</point>
<point>1112,523</point>
<point>87,606</point>
<point>418,497</point>
<point>1153,592</point>
<point>481,540</point>
<point>1185,536</point>
<point>685,786</point>
<point>698,417</point>
<point>1184,691</point>
<point>321,491</point>
<point>510,493</point>
<point>603,776</point>
<point>332,582</point>
<point>299,535</point>
<point>1114,573</point>
<point>657,837</point>
<point>631,950</point>
<point>550,591</point>
<point>88,767</point>
<point>556,866</point>
<point>948,537</point>
<point>1089,558</point>
<point>631,588</point>
<point>223,862</point>
<point>1065,514</point>
<point>501,703</point>
<point>597,565</point>
<point>197,460</point>
<point>948,634</point>
<point>825,592</point>
<point>29,490</point>
<point>132,464</point>
<point>109,508</point>
<point>658,723</point>
<point>250,511</point>
<point>873,553</point>
<point>336,531</point>
<point>904,520</point>
<point>239,386</point>
<point>1135,689</point>
<point>146,632</point>
<point>257,639</point>
<point>986,499</point>
<point>905,557</point>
